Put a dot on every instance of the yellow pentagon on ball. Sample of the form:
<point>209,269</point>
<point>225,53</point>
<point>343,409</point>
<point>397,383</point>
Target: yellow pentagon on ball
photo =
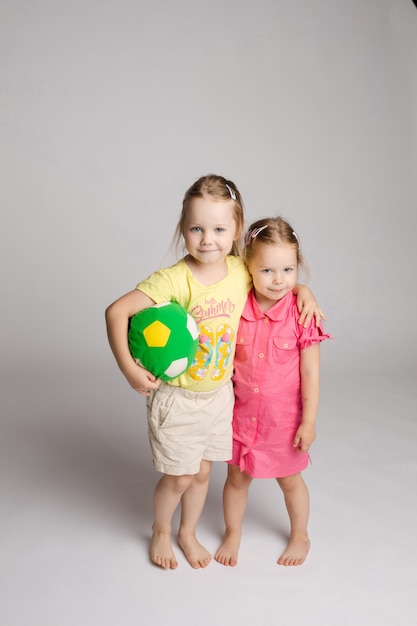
<point>156,334</point>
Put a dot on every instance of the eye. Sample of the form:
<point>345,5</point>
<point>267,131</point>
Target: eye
<point>195,229</point>
<point>219,229</point>
<point>266,270</point>
<point>288,270</point>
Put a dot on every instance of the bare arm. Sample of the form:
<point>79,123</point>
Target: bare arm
<point>307,306</point>
<point>310,393</point>
<point>117,322</point>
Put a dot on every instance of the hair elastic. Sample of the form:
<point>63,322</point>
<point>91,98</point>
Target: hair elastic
<point>252,234</point>
<point>231,191</point>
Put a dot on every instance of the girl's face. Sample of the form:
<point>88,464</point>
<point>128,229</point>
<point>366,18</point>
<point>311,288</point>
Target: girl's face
<point>274,272</point>
<point>210,230</point>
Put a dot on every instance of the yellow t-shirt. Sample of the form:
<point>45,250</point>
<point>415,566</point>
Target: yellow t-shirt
<point>216,309</point>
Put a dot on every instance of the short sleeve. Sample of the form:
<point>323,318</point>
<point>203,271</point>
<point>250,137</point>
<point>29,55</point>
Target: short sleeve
<point>311,335</point>
<point>158,286</point>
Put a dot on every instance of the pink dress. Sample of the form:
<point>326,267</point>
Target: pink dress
<point>267,388</point>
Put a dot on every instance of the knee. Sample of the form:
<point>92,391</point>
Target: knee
<point>178,484</point>
<point>236,478</point>
<point>204,473</point>
<point>289,483</point>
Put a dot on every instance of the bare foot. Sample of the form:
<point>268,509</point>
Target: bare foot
<point>229,549</point>
<point>296,551</point>
<point>194,552</point>
<point>161,551</point>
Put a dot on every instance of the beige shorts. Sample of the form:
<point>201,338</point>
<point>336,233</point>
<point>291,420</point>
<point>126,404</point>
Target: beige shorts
<point>186,427</point>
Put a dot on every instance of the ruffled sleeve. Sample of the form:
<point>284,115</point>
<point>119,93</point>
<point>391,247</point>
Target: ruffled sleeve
<point>311,335</point>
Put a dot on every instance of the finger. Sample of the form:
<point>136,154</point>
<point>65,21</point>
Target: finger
<point>302,447</point>
<point>308,319</point>
<point>302,317</point>
<point>319,315</point>
<point>153,384</point>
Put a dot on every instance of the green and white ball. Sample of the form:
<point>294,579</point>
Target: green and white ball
<point>163,339</point>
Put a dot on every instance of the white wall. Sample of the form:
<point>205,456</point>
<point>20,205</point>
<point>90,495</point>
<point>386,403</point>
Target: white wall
<point>110,110</point>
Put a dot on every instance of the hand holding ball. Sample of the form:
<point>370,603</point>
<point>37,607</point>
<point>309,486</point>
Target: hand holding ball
<point>163,339</point>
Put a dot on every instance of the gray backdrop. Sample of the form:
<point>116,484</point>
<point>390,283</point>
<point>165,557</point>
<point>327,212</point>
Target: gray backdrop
<point>109,111</point>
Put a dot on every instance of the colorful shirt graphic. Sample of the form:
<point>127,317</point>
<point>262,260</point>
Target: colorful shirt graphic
<point>216,309</point>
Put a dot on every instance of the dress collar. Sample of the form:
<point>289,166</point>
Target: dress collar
<point>276,313</point>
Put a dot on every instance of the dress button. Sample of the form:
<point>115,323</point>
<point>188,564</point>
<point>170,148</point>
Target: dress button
<point>241,340</point>
<point>266,320</point>
<point>247,448</point>
<point>261,355</point>
<point>285,345</point>
<point>256,389</point>
<point>253,419</point>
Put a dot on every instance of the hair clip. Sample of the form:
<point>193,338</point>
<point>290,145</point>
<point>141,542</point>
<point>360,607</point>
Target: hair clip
<point>252,234</point>
<point>231,191</point>
<point>297,238</point>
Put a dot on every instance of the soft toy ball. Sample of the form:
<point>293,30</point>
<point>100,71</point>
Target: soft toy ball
<point>163,339</point>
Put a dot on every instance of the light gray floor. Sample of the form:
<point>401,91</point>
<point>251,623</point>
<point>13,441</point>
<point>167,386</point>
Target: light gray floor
<point>76,508</point>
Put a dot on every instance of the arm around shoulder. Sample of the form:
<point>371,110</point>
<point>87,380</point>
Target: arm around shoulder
<point>307,305</point>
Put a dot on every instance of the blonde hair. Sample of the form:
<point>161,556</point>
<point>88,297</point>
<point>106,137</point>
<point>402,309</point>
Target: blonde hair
<point>273,231</point>
<point>219,189</point>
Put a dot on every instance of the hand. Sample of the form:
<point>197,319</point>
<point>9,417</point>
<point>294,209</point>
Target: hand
<point>304,437</point>
<point>142,381</point>
<point>308,307</point>
<point>308,313</point>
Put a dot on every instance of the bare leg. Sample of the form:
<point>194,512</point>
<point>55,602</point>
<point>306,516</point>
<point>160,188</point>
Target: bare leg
<point>235,497</point>
<point>192,502</point>
<point>297,501</point>
<point>167,496</point>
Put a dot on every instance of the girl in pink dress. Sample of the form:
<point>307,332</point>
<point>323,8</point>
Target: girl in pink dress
<point>276,385</point>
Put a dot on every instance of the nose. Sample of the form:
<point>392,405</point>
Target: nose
<point>205,239</point>
<point>277,279</point>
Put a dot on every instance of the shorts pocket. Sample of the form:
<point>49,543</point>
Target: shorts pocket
<point>160,408</point>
